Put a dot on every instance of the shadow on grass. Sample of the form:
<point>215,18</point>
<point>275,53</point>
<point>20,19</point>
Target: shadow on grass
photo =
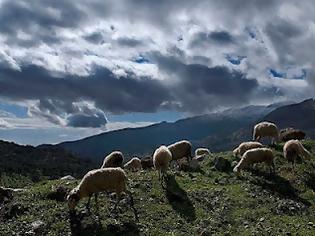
<point>179,200</point>
<point>87,224</point>
<point>277,184</point>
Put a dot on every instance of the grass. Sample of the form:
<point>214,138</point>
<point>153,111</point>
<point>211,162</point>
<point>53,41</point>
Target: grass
<point>200,203</point>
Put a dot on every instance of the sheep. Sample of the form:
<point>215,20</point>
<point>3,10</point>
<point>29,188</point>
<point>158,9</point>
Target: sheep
<point>134,164</point>
<point>293,148</point>
<point>266,129</point>
<point>105,179</point>
<point>161,159</point>
<point>291,133</point>
<point>180,149</point>
<point>202,151</point>
<point>256,155</point>
<point>245,146</point>
<point>114,159</point>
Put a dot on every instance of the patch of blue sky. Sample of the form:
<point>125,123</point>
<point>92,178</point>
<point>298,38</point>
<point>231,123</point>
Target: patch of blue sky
<point>277,74</point>
<point>18,111</point>
<point>234,59</point>
<point>141,60</point>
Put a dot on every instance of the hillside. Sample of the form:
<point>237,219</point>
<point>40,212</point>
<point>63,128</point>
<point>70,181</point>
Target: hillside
<point>212,130</point>
<point>208,202</point>
<point>30,164</point>
<point>300,115</point>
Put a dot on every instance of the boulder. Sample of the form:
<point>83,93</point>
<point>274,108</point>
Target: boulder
<point>222,164</point>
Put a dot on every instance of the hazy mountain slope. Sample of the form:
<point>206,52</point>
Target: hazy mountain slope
<point>300,115</point>
<point>220,131</point>
<point>216,128</point>
<point>144,140</point>
<point>35,163</point>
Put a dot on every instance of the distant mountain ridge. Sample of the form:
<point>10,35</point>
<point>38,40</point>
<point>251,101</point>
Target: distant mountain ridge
<point>34,162</point>
<point>300,115</point>
<point>218,131</point>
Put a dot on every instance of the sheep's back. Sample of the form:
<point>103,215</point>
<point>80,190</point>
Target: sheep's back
<point>180,149</point>
<point>108,179</point>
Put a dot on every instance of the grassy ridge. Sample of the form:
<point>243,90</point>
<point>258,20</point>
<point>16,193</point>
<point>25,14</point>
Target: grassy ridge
<point>202,203</point>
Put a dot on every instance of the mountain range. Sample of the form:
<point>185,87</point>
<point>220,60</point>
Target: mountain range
<point>218,131</point>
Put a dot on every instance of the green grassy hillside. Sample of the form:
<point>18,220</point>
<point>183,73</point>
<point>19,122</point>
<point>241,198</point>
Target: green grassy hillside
<point>208,202</point>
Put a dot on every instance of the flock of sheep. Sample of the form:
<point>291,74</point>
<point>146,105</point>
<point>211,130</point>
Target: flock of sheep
<point>112,178</point>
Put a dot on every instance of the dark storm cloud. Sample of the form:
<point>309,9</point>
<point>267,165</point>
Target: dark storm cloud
<point>282,34</point>
<point>96,38</point>
<point>200,88</point>
<point>204,39</point>
<point>39,19</point>
<point>82,120</point>
<point>57,94</point>
<point>129,42</point>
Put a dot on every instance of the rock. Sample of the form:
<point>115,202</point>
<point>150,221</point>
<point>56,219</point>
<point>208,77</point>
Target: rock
<point>38,227</point>
<point>59,194</point>
<point>147,163</point>
<point>5,194</point>
<point>194,165</point>
<point>222,164</point>
<point>68,177</point>
<point>184,165</point>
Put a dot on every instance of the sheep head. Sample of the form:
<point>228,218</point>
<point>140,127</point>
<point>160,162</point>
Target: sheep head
<point>73,198</point>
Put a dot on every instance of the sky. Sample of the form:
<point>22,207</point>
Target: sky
<point>70,69</point>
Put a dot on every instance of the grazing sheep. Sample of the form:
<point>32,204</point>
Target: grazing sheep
<point>245,146</point>
<point>147,163</point>
<point>293,148</point>
<point>256,155</point>
<point>202,152</point>
<point>114,159</point>
<point>266,129</point>
<point>180,149</point>
<point>98,180</point>
<point>161,159</point>
<point>291,133</point>
<point>134,164</point>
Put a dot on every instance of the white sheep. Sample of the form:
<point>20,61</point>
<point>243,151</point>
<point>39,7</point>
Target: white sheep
<point>245,146</point>
<point>202,151</point>
<point>293,148</point>
<point>266,129</point>
<point>256,155</point>
<point>161,159</point>
<point>114,159</point>
<point>180,149</point>
<point>134,164</point>
<point>99,180</point>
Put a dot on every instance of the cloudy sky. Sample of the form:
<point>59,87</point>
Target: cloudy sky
<point>69,69</point>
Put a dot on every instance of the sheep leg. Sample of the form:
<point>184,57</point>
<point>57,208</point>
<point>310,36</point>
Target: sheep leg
<point>132,204</point>
<point>117,201</point>
<point>273,167</point>
<point>88,203</point>
<point>163,180</point>
<point>95,198</point>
